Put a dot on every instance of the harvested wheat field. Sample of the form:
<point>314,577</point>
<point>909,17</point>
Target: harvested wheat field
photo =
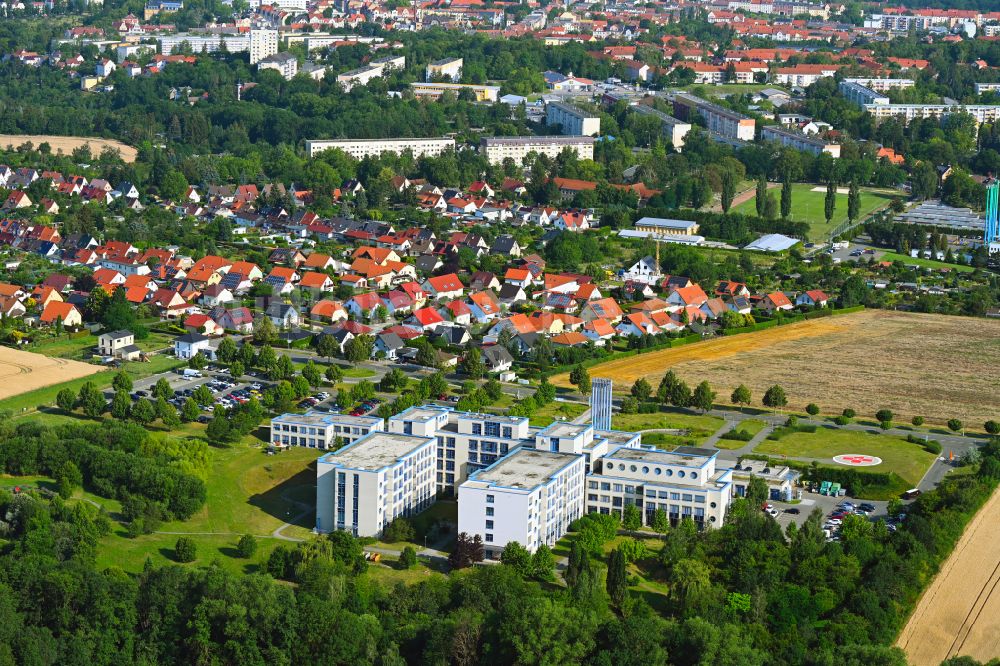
<point>67,144</point>
<point>959,614</point>
<point>934,366</point>
<point>22,371</point>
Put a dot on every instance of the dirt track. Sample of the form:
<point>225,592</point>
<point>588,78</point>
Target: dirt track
<point>959,614</point>
<point>933,366</point>
<point>22,371</point>
<point>67,144</point>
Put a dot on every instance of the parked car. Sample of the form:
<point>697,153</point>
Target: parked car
<point>793,511</point>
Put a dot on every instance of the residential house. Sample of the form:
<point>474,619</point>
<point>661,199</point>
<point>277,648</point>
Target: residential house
<point>775,301</point>
<point>428,319</point>
<point>216,295</point>
<point>605,308</point>
<point>238,319</point>
<point>388,345</point>
<point>484,306</point>
<point>170,303</point>
<point>61,311</point>
<point>812,298</point>
<point>190,345</point>
<point>444,287</point>
<point>497,358</point>
<point>202,323</point>
<point>363,306</point>
<point>282,315</point>
<point>645,270</point>
<point>316,281</point>
<point>637,324</point>
<point>327,310</point>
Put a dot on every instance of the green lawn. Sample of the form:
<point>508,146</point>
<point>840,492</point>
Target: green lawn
<point>808,206</point>
<point>925,263</point>
<point>557,411</point>
<point>751,426</point>
<point>79,348</point>
<point>700,426</point>
<point>907,460</point>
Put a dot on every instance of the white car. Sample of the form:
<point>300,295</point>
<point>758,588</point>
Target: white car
<point>835,521</point>
<point>772,512</point>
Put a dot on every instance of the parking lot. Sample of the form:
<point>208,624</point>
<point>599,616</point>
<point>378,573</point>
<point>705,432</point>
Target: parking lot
<point>825,503</point>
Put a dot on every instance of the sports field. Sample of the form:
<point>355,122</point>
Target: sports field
<point>934,366</point>
<point>959,614</point>
<point>67,144</point>
<point>22,371</point>
<point>808,205</point>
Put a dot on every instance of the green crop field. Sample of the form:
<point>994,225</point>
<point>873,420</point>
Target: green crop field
<point>809,206</point>
<point>908,460</point>
<point>925,263</point>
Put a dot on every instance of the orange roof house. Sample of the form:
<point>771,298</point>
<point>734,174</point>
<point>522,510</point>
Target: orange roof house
<point>65,312</point>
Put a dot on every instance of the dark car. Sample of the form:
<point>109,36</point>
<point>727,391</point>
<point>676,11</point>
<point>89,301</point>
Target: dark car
<point>867,507</point>
<point>793,511</point>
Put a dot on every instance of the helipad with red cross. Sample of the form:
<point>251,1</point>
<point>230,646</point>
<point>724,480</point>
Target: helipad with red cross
<point>857,460</point>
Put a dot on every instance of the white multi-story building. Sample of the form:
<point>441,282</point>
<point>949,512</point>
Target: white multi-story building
<point>982,113</point>
<point>799,141</point>
<point>285,64</point>
<point>373,70</point>
<point>860,95</point>
<point>675,129</point>
<point>574,120</point>
<point>320,430</point>
<point>481,93</point>
<point>361,148</point>
<point>986,87</point>
<point>258,43</point>
<point>499,148</point>
<point>362,487</point>
<point>450,68</point>
<point>881,84</point>
<point>685,483</point>
<point>466,442</point>
<point>724,122</point>
<point>530,496</point>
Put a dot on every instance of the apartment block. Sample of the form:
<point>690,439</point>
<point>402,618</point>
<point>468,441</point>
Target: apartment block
<point>799,141</point>
<point>882,85</point>
<point>983,113</point>
<point>724,122</point>
<point>986,87</point>
<point>674,129</point>
<point>499,148</point>
<point>685,483</point>
<point>574,120</point>
<point>320,430</point>
<point>373,70</point>
<point>258,43</point>
<point>361,148</point>
<point>530,496</point>
<point>362,487</point>
<point>450,68</point>
<point>860,95</point>
<point>284,63</point>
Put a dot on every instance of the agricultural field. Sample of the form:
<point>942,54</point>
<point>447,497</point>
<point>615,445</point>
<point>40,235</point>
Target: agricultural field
<point>910,461</point>
<point>935,366</point>
<point>925,263</point>
<point>959,614</point>
<point>67,144</point>
<point>808,206</point>
<point>22,371</point>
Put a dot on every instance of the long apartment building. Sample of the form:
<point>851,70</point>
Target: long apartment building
<point>320,430</point>
<point>258,43</point>
<point>986,87</point>
<point>373,70</point>
<point>573,120</point>
<point>685,483</point>
<point>480,92</point>
<point>674,129</point>
<point>499,148</point>
<point>861,95</point>
<point>450,68</point>
<point>799,141</point>
<point>530,496</point>
<point>362,487</point>
<point>362,148</point>
<point>724,122</point>
<point>982,113</point>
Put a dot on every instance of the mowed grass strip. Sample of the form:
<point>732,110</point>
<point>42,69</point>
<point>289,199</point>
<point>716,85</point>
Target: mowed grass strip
<point>809,206</point>
<point>910,461</point>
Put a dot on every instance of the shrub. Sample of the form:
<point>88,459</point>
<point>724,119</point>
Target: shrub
<point>932,446</point>
<point>992,427</point>
<point>400,529</point>
<point>917,421</point>
<point>849,413</point>
<point>842,420</point>
<point>737,435</point>
<point>185,550</point>
<point>812,409</point>
<point>955,425</point>
<point>246,546</point>
<point>408,558</point>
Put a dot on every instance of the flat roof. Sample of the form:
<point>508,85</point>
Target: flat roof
<point>665,223</point>
<point>376,451</point>
<point>616,436</point>
<point>564,429</point>
<point>661,457</point>
<point>421,413</point>
<point>313,417</point>
<point>498,418</point>
<point>525,468</point>
<point>392,140</point>
<point>535,140</point>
